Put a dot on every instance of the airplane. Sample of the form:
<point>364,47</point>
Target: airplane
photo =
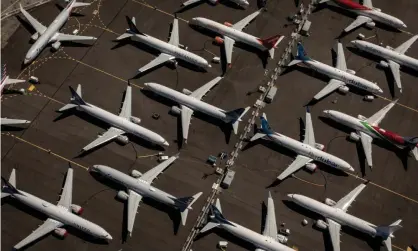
<point>7,121</point>
<point>63,214</point>
<point>232,33</point>
<point>366,14</point>
<point>45,35</point>
<point>242,3</point>
<point>368,129</point>
<point>307,151</point>
<point>340,76</point>
<point>139,185</point>
<point>120,124</point>
<point>268,240</point>
<point>170,51</point>
<point>394,57</point>
<point>335,214</point>
<point>191,101</point>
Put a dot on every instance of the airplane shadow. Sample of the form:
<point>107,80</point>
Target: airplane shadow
<point>12,128</point>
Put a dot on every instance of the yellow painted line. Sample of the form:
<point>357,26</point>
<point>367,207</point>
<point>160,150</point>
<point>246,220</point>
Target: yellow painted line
<point>407,32</point>
<point>407,107</point>
<point>315,184</point>
<point>146,156</point>
<point>99,70</point>
<point>45,150</point>
<point>398,248</point>
<point>159,10</point>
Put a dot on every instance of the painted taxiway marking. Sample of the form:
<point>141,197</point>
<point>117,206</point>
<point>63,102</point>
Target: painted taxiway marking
<point>397,103</point>
<point>159,10</point>
<point>398,248</point>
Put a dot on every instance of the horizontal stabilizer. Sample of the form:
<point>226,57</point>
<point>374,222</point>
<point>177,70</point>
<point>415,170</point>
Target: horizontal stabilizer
<point>387,231</point>
<point>187,202</point>
<point>67,107</point>
<point>78,4</point>
<point>414,152</point>
<point>236,116</point>
<point>9,185</point>
<point>257,136</point>
<point>123,36</point>
<point>294,61</point>
<point>209,226</point>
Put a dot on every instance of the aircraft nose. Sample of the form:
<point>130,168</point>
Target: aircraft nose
<point>166,143</point>
<point>326,112</point>
<point>109,237</point>
<point>290,196</point>
<point>93,168</point>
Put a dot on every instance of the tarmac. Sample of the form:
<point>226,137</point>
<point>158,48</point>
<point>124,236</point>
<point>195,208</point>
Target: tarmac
<point>42,151</point>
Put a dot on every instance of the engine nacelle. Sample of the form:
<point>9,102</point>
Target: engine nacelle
<point>56,45</point>
<point>368,98</point>
<point>311,167</point>
<point>122,195</point>
<point>383,64</point>
<point>343,89</point>
<point>228,24</point>
<point>370,25</point>
<point>213,1</point>
<point>377,9</point>
<point>35,36</point>
<point>389,47</point>
<point>60,232</point>
<point>321,224</point>
<point>354,137</point>
<point>330,202</point>
<point>319,146</point>
<point>219,40</point>
<point>173,63</point>
<point>122,139</point>
<point>135,120</point>
<point>351,71</point>
<point>77,209</point>
<point>186,91</point>
<point>361,117</point>
<point>175,110</point>
<point>281,238</point>
<point>136,174</point>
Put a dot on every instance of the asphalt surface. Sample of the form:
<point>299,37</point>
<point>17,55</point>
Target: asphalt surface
<point>103,70</point>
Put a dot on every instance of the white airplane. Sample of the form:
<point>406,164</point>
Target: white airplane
<point>63,214</point>
<point>394,58</point>
<point>340,76</point>
<point>368,129</point>
<point>191,101</point>
<point>140,185</point>
<point>366,14</point>
<point>242,3</point>
<point>307,151</point>
<point>232,33</point>
<point>335,214</point>
<point>7,121</point>
<point>170,51</point>
<point>45,35</point>
<point>268,241</point>
<point>120,124</point>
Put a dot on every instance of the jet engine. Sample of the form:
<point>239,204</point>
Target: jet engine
<point>219,40</point>
<point>136,173</point>
<point>343,89</point>
<point>56,45</point>
<point>35,36</point>
<point>77,209</point>
<point>281,238</point>
<point>228,24</point>
<point>354,136</point>
<point>389,47</point>
<point>311,167</point>
<point>351,71</point>
<point>122,195</point>
<point>213,1</point>
<point>319,146</point>
<point>175,110</point>
<point>361,117</point>
<point>383,64</point>
<point>60,232</point>
<point>377,9</point>
<point>135,120</point>
<point>321,224</point>
<point>186,91</point>
<point>122,139</point>
<point>330,202</point>
<point>173,63</point>
<point>370,25</point>
<point>369,98</point>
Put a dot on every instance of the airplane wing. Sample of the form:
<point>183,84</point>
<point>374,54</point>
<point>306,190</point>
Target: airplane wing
<point>40,28</point>
<point>186,116</point>
<point>161,59</point>
<point>10,81</point>
<point>6,121</point>
<point>174,37</point>
<point>366,142</point>
<point>201,91</point>
<point>67,192</point>
<point>229,47</point>
<point>394,68</point>
<point>126,111</point>
<point>345,202</point>
<point>297,164</point>
<point>332,85</point>
<point>109,135</point>
<point>190,2</point>
<point>405,46</point>
<point>368,3</point>
<point>154,172</point>
<point>133,203</point>
<point>48,226</point>
<point>67,37</point>
<point>244,22</point>
<point>270,228</point>
<point>341,64</point>
<point>334,229</point>
<point>378,116</point>
<point>356,23</point>
<point>309,132</point>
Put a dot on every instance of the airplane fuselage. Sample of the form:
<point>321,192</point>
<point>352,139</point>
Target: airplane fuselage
<point>343,76</point>
<point>173,50</point>
<point>61,214</point>
<point>123,124</point>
